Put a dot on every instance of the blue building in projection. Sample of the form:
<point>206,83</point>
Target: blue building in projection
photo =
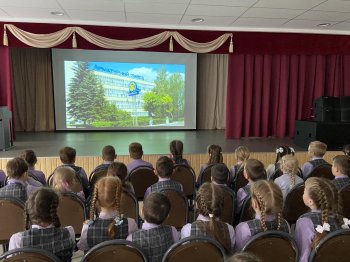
<point>124,90</point>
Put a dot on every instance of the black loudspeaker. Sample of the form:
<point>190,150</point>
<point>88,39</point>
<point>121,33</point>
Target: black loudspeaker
<point>327,109</point>
<point>345,109</point>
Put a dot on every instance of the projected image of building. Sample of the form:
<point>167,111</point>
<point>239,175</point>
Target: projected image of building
<point>124,90</point>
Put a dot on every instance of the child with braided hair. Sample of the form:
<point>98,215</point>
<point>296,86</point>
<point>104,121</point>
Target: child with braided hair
<point>45,232</point>
<point>289,179</point>
<point>176,151</point>
<point>322,198</point>
<point>267,202</point>
<point>210,203</point>
<point>280,152</point>
<point>242,154</point>
<point>215,157</point>
<point>106,222</point>
<point>64,180</point>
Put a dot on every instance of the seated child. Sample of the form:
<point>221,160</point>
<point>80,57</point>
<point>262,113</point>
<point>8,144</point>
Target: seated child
<point>244,257</point>
<point>346,149</point>
<point>64,181</point>
<point>220,175</point>
<point>108,156</point>
<point>68,156</point>
<point>289,179</point>
<point>2,178</point>
<point>316,152</point>
<point>253,171</point>
<point>164,169</point>
<point>176,151</point>
<point>119,169</point>
<point>215,157</point>
<point>106,222</point>
<point>242,154</point>
<point>321,197</point>
<point>280,152</point>
<point>46,231</point>
<point>155,238</point>
<point>30,157</point>
<point>267,202</point>
<point>136,153</point>
<point>210,203</point>
<point>341,171</point>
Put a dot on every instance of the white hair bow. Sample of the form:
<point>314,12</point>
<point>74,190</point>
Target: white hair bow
<point>325,227</point>
<point>211,215</point>
<point>292,149</point>
<point>279,150</point>
<point>346,223</point>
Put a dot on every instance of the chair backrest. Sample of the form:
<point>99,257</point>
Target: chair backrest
<point>273,246</point>
<point>179,208</point>
<point>28,255</point>
<point>334,247</point>
<point>240,180</point>
<point>345,198</point>
<point>229,205</point>
<point>129,206</point>
<point>294,205</point>
<point>205,176</point>
<point>278,172</point>
<point>96,175</point>
<point>71,211</point>
<point>115,250</point>
<point>247,212</point>
<point>77,187</point>
<point>186,176</point>
<point>141,178</point>
<point>12,218</point>
<point>195,249</point>
<point>324,170</point>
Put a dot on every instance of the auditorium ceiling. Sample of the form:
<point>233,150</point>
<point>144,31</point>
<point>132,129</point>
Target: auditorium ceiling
<point>305,16</point>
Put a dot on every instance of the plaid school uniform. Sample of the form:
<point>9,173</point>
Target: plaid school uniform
<point>167,184</point>
<point>15,190</point>
<point>155,242</point>
<point>317,162</point>
<point>55,240</point>
<point>340,183</point>
<point>97,231</point>
<point>255,226</point>
<point>198,228</point>
<point>316,218</point>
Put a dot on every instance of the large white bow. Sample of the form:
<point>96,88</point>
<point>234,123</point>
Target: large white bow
<point>325,227</point>
<point>346,223</point>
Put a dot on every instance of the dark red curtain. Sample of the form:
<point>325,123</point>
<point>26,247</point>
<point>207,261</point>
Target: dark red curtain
<point>267,93</point>
<point>5,78</point>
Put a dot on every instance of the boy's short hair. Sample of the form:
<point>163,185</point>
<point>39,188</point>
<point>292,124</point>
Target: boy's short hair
<point>135,150</point>
<point>67,155</point>
<point>318,148</point>
<point>343,163</point>
<point>108,153</point>
<point>16,167</point>
<point>220,173</point>
<point>29,156</point>
<point>255,169</point>
<point>164,166</point>
<point>156,208</point>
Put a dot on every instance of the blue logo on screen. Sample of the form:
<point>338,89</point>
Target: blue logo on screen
<point>133,89</point>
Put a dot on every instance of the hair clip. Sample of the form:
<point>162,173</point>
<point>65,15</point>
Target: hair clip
<point>279,150</point>
<point>118,220</point>
<point>346,223</point>
<point>90,222</point>
<point>325,227</point>
<point>211,215</point>
<point>292,149</point>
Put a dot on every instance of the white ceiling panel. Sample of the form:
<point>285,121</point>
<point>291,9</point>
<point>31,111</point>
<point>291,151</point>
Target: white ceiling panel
<point>224,2</point>
<point>272,13</point>
<point>327,16</point>
<point>307,24</point>
<point>30,3</point>
<point>341,26</point>
<point>3,14</point>
<point>153,18</point>
<point>33,13</point>
<point>209,20</point>
<point>93,5</point>
<point>97,16</point>
<point>155,8</point>
<point>258,22</point>
<point>158,1</point>
<point>334,5</point>
<point>207,10</point>
<point>289,4</point>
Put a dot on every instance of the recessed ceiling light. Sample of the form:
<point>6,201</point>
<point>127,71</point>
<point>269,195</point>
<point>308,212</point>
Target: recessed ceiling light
<point>324,25</point>
<point>197,20</point>
<point>57,13</point>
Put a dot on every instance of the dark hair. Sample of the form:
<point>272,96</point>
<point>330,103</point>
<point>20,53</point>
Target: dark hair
<point>108,153</point>
<point>42,207</point>
<point>67,155</point>
<point>215,154</point>
<point>282,151</point>
<point>29,156</point>
<point>164,166</point>
<point>176,150</point>
<point>255,169</point>
<point>156,208</point>
<point>16,167</point>
<point>220,173</point>
<point>135,150</point>
<point>346,149</point>
<point>244,257</point>
<point>343,163</point>
<point>118,169</point>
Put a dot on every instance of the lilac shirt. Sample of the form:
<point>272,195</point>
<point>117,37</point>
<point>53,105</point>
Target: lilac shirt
<point>83,244</point>
<point>308,167</point>
<point>148,226</point>
<point>2,177</point>
<point>243,233</point>
<point>136,163</point>
<point>241,196</point>
<point>186,229</point>
<point>16,239</point>
<point>284,183</point>
<point>38,174</point>
<point>30,185</point>
<point>160,179</point>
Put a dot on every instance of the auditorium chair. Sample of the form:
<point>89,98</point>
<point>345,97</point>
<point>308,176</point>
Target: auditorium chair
<point>324,171</point>
<point>345,200</point>
<point>294,205</point>
<point>229,205</point>
<point>335,246</point>
<point>273,245</point>
<point>240,180</point>
<point>129,206</point>
<point>141,178</point>
<point>205,176</point>
<point>195,249</point>
<point>115,250</point>
<point>28,255</point>
<point>186,176</point>
<point>179,208</point>
<point>247,212</point>
<point>96,175</point>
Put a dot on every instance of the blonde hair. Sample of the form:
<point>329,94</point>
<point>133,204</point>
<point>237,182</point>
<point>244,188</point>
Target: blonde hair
<point>318,148</point>
<point>63,179</point>
<point>107,194</point>
<point>269,198</point>
<point>289,166</point>
<point>242,153</point>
